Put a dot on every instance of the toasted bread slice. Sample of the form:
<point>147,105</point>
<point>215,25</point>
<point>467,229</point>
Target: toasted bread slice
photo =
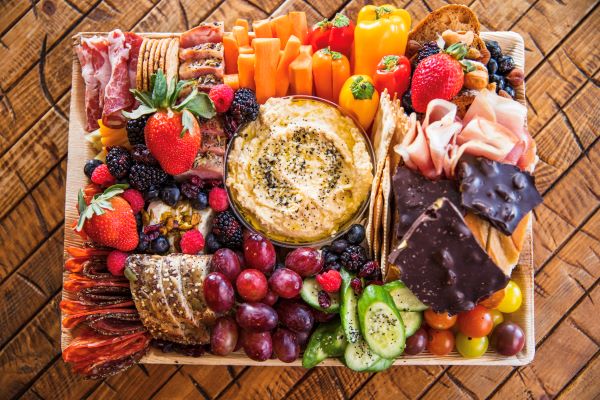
<point>455,17</point>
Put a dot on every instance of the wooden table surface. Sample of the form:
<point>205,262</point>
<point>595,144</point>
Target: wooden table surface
<point>564,115</point>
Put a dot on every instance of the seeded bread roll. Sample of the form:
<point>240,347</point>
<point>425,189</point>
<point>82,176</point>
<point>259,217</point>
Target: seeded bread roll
<point>455,17</point>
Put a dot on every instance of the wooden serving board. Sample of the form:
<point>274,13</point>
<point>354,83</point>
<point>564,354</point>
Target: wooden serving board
<point>79,150</point>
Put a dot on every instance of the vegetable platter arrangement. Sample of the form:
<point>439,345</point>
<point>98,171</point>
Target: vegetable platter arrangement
<point>351,192</point>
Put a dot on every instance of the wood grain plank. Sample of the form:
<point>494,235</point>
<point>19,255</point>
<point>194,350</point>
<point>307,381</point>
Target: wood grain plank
<point>258,383</point>
<point>43,28</point>
<point>182,15</point>
<point>42,87</point>
<point>194,381</point>
<point>326,8</point>
<point>28,353</point>
<point>587,384</point>
<point>11,11</point>
<point>406,382</point>
<point>329,383</point>
<point>41,212</point>
<point>230,10</point>
<point>146,377</point>
<point>500,16</point>
<point>312,15</point>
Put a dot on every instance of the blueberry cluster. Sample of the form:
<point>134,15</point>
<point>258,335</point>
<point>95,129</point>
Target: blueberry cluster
<point>499,66</point>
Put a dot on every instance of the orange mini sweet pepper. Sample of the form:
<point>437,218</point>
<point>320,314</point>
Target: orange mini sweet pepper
<point>330,71</point>
<point>380,31</point>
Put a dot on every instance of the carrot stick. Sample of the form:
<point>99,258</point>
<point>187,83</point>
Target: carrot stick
<point>267,58</point>
<point>241,36</point>
<point>242,22</point>
<point>299,24</point>
<point>232,80</point>
<point>283,28</point>
<point>230,53</point>
<point>300,72</point>
<point>246,70</point>
<point>262,28</point>
<point>282,76</point>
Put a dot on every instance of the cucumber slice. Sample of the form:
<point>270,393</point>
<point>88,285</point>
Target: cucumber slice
<point>381,365</point>
<point>310,294</point>
<point>412,321</point>
<point>359,357</point>
<point>326,341</point>
<point>380,322</point>
<point>348,308</point>
<point>404,299</point>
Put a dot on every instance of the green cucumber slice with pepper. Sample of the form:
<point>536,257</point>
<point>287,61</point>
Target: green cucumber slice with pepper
<point>380,322</point>
<point>359,356</point>
<point>381,365</point>
<point>412,321</point>
<point>348,308</point>
<point>404,299</point>
<point>310,294</point>
<point>326,341</point>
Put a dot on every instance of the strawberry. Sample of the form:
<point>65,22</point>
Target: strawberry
<point>108,219</point>
<point>172,132</point>
<point>439,76</point>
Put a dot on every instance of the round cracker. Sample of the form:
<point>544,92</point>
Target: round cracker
<point>145,65</point>
<point>151,62</point>
<point>138,74</point>
<point>172,61</point>
<point>157,54</point>
<point>163,54</point>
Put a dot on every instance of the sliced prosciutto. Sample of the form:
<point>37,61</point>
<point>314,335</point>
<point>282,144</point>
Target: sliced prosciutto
<point>95,71</point>
<point>117,97</point>
<point>206,32</point>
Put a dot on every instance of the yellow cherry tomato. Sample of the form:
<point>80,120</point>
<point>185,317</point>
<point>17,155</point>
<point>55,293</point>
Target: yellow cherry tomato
<point>497,317</point>
<point>512,298</point>
<point>470,347</point>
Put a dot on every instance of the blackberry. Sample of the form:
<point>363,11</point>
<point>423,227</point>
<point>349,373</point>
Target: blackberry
<point>428,49</point>
<point>90,166</point>
<point>191,188</point>
<point>135,129</point>
<point>227,230</point>
<point>118,161</point>
<point>141,155</point>
<point>407,102</point>
<point>494,48</point>
<point>142,176</point>
<point>244,108</point>
<point>505,64</point>
<point>353,258</point>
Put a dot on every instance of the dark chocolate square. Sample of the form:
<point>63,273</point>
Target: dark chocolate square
<point>500,193</point>
<point>414,193</point>
<point>443,264</point>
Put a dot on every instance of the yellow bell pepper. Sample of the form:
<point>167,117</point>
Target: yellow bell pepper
<point>380,31</point>
<point>359,98</point>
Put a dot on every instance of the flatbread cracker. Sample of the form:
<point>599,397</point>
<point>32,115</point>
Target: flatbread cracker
<point>172,61</point>
<point>139,80</point>
<point>386,189</point>
<point>377,223</point>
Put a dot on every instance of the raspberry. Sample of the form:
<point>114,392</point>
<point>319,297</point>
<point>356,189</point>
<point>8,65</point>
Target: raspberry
<point>221,96</point>
<point>101,176</point>
<point>217,199</point>
<point>192,242</point>
<point>330,281</point>
<point>115,262</point>
<point>135,199</point>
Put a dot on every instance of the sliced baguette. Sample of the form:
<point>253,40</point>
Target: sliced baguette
<point>455,17</point>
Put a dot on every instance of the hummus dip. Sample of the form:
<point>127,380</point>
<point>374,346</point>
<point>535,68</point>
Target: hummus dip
<point>301,171</point>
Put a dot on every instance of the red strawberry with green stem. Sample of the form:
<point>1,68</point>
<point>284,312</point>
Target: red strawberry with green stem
<point>439,76</point>
<point>108,219</point>
<point>172,133</point>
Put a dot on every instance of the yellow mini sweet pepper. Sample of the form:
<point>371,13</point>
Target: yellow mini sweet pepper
<point>360,98</point>
<point>380,31</point>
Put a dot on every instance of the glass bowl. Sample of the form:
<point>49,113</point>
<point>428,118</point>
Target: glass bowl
<point>358,215</point>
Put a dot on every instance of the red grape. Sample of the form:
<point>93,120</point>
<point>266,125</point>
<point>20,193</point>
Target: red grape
<point>306,261</point>
<point>218,292</point>
<point>241,258</point>
<point>226,262</point>
<point>322,316</point>
<point>302,338</point>
<point>285,345</point>
<point>286,283</point>
<point>251,285</point>
<point>259,252</point>
<point>508,338</point>
<point>224,336</point>
<point>416,343</point>
<point>270,299</point>
<point>256,317</point>
<point>296,316</point>
<point>257,345</point>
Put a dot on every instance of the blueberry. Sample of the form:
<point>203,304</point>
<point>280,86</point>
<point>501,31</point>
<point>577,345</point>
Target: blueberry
<point>509,89</point>
<point>494,48</point>
<point>211,244</point>
<point>201,201</point>
<point>335,265</point>
<point>498,80</point>
<point>160,245</point>
<point>339,245</point>
<point>138,222</point>
<point>142,246</point>
<point>492,66</point>
<point>90,166</point>
<point>356,234</point>
<point>505,64</point>
<point>331,257</point>
<point>170,195</point>
<point>151,194</point>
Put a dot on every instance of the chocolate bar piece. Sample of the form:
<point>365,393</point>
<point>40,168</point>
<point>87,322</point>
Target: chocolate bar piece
<point>414,193</point>
<point>500,193</point>
<point>442,264</point>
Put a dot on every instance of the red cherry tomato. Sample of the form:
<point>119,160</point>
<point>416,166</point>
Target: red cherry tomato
<point>439,320</point>
<point>493,300</point>
<point>440,342</point>
<point>476,323</point>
